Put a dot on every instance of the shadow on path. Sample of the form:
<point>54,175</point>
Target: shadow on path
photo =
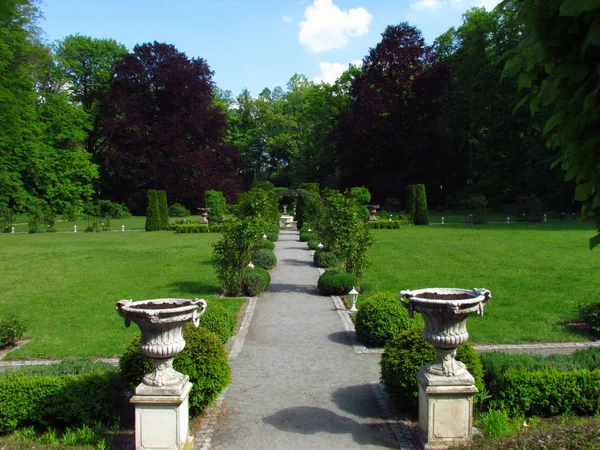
<point>340,337</point>
<point>312,420</point>
<point>290,287</point>
<point>297,262</point>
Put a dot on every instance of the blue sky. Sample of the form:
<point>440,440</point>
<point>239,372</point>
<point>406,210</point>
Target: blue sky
<point>255,44</point>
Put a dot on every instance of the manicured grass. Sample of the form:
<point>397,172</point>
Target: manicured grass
<point>537,273</point>
<point>65,285</point>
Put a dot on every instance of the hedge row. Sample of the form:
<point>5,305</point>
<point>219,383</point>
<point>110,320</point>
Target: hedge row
<point>195,228</point>
<point>388,224</point>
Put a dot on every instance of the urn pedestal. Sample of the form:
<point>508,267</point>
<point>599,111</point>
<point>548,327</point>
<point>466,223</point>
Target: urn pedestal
<point>446,388</point>
<point>161,400</point>
<point>204,213</point>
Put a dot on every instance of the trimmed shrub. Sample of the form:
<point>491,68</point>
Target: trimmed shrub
<point>421,216</point>
<point>265,258</point>
<point>178,210</point>
<point>190,228</point>
<point>306,236</point>
<point>308,204</point>
<point>361,194</point>
<point>265,243</point>
<point>590,315</point>
<point>12,330</point>
<point>219,320</point>
<point>411,201</point>
<point>216,228</point>
<point>326,260</point>
<point>204,360</point>
<point>336,282</point>
<point>253,282</point>
<point>380,318</point>
<point>7,218</point>
<point>163,209</point>
<point>153,221</point>
<point>215,200</point>
<point>272,236</point>
<point>58,401</point>
<point>313,244</point>
<point>388,224</point>
<point>404,355</point>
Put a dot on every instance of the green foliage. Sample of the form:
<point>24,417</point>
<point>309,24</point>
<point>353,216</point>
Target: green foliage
<point>66,400</point>
<point>326,259</point>
<point>590,315</point>
<point>265,258</point>
<point>306,236</point>
<point>336,282</point>
<point>380,318</point>
<point>388,224</point>
<point>78,366</point>
<point>556,64</point>
<point>260,204</point>
<point>6,218</point>
<point>313,244</point>
<point>402,359</point>
<point>476,207</point>
<point>178,210</point>
<point>234,251</point>
<point>203,359</point>
<point>392,204</point>
<point>308,204</point>
<point>12,329</point>
<point>361,194</point>
<point>254,282</point>
<point>215,200</point>
<point>153,218</point>
<point>190,228</point>
<point>163,209</point>
<point>265,243</point>
<point>40,218</point>
<point>497,423</point>
<point>113,210</point>
<point>421,216</point>
<point>411,201</point>
<point>343,231</point>
<point>219,320</point>
<point>272,236</point>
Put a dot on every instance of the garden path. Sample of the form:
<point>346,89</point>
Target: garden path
<point>297,382</point>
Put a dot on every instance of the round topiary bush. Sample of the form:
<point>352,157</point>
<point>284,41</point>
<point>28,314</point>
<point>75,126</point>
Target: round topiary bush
<point>178,210</point>
<point>405,354</point>
<point>326,259</point>
<point>253,282</point>
<point>313,244</point>
<point>204,360</point>
<point>306,236</point>
<point>265,243</point>
<point>336,282</point>
<point>219,320</point>
<point>272,236</point>
<point>381,318</point>
<point>265,258</point>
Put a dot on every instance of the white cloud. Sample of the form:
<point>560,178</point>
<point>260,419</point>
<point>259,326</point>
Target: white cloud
<point>286,19</point>
<point>330,72</point>
<point>327,27</point>
<point>434,5</point>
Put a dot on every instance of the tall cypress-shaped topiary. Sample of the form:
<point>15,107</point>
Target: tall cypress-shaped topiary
<point>152,212</point>
<point>421,215</point>
<point>215,200</point>
<point>163,208</point>
<point>411,201</point>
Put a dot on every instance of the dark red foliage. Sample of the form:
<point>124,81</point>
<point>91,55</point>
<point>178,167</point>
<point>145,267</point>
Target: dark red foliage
<point>165,131</point>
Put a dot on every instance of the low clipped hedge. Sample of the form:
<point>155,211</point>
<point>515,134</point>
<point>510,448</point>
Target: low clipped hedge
<point>58,400</point>
<point>544,385</point>
<point>272,236</point>
<point>388,224</point>
<point>265,258</point>
<point>336,282</point>
<point>306,236</point>
<point>195,228</point>
<point>380,318</point>
<point>265,243</point>
<point>313,244</point>
<point>219,320</point>
<point>203,359</point>
<point>255,281</point>
<point>326,260</point>
<point>405,354</point>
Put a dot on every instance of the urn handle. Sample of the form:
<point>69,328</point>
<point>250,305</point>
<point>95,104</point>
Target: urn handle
<point>119,307</point>
<point>197,313</point>
<point>407,304</point>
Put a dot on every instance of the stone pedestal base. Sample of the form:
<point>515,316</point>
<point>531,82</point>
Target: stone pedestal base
<point>445,409</point>
<point>162,417</point>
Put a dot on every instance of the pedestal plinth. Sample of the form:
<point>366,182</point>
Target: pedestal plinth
<point>445,409</point>
<point>162,417</point>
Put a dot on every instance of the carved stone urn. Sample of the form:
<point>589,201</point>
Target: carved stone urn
<point>373,209</point>
<point>161,322</point>
<point>445,311</point>
<point>204,212</point>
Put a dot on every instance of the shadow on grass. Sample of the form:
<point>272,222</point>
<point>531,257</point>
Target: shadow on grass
<point>312,420</point>
<point>194,287</point>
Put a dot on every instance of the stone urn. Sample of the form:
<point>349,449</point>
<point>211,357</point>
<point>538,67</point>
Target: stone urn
<point>204,212</point>
<point>445,311</point>
<point>161,322</point>
<point>373,210</point>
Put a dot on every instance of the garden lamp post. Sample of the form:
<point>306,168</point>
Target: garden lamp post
<point>265,237</point>
<point>353,296</point>
<point>320,245</point>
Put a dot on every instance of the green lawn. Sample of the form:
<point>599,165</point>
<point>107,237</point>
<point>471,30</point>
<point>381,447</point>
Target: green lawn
<point>537,273</point>
<point>65,285</point>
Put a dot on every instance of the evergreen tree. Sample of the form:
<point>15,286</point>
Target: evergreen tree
<point>153,221</point>
<point>421,214</point>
